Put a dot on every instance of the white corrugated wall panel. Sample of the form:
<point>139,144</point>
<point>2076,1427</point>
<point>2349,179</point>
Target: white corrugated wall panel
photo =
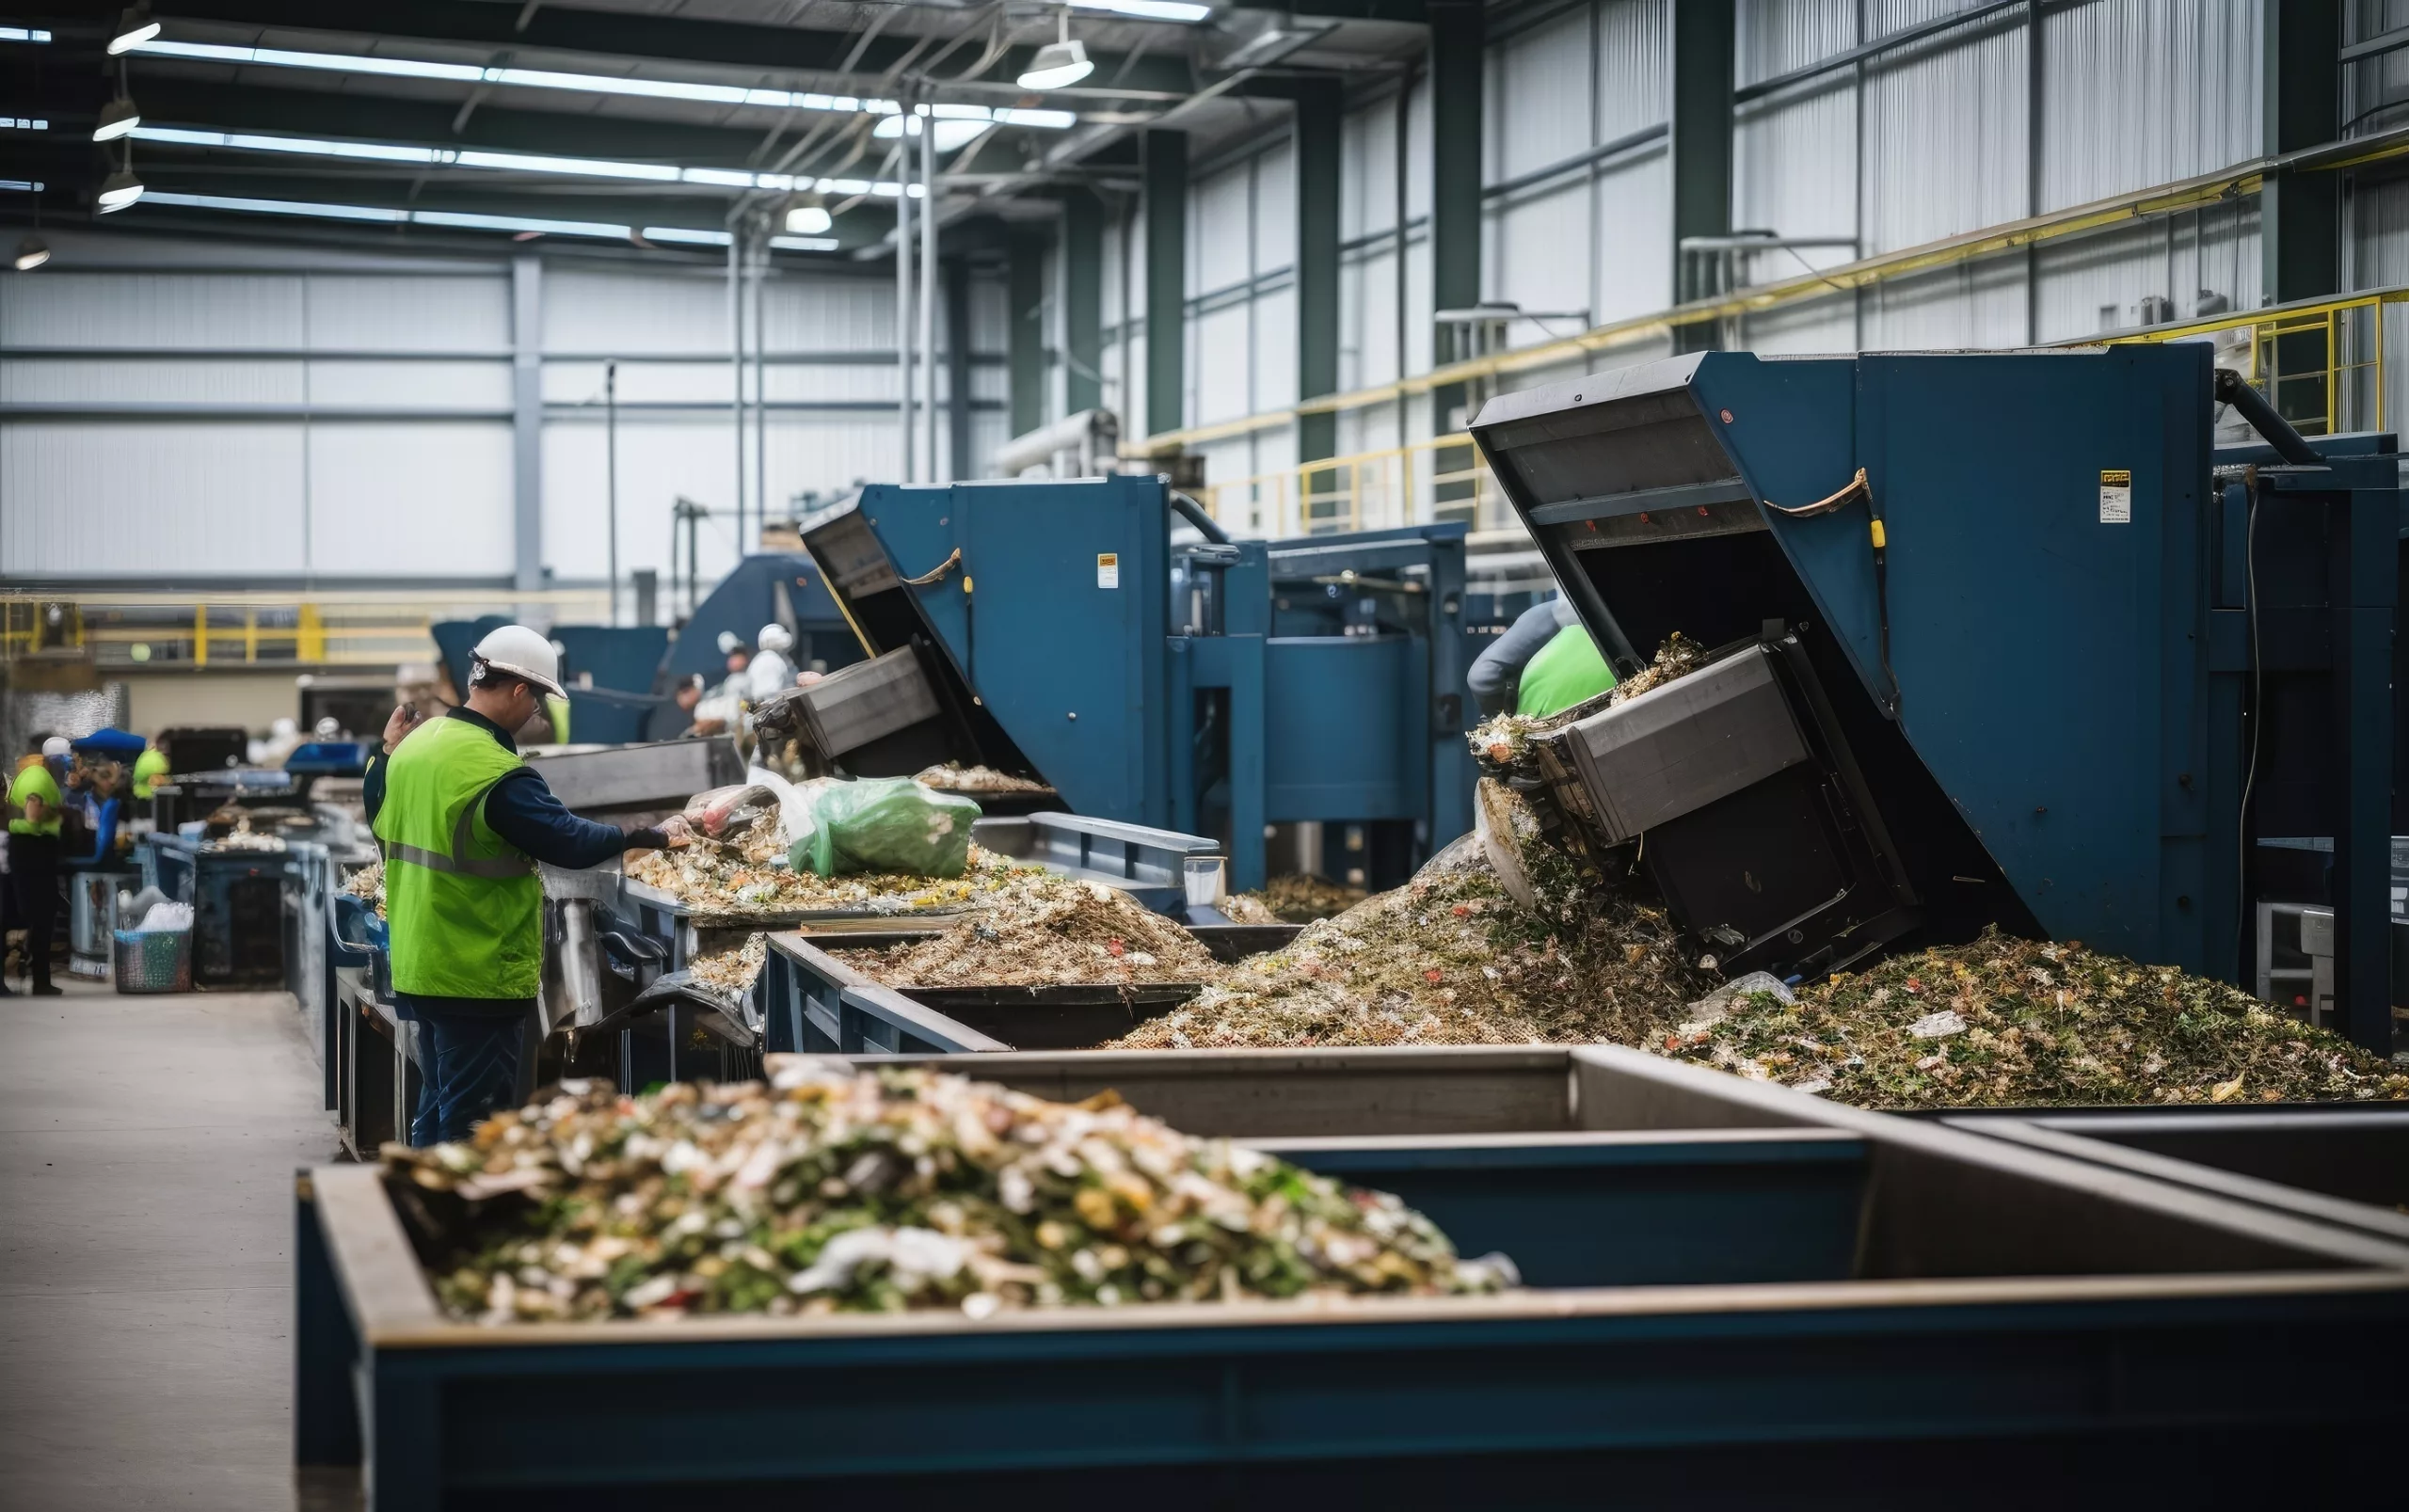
<point>1275,209</point>
<point>605,314</point>
<point>2097,284</point>
<point>1539,96</point>
<point>2140,92</point>
<point>1793,171</point>
<point>1218,356</point>
<point>397,312</point>
<point>1777,37</point>
<point>1809,326</point>
<point>1275,349</point>
<point>1886,18</point>
<point>1635,238</point>
<point>1538,248</point>
<point>991,313</point>
<point>803,312</point>
<point>1367,322</point>
<point>1946,145</point>
<point>1971,305</point>
<point>412,385</point>
<point>660,458</point>
<point>1635,66</point>
<point>1220,233</point>
<point>423,499</point>
<point>124,499</point>
<point>1367,171</point>
<point>107,382</point>
<point>208,311</point>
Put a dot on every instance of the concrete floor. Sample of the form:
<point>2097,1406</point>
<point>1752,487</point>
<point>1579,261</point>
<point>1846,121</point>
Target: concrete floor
<point>147,1151</point>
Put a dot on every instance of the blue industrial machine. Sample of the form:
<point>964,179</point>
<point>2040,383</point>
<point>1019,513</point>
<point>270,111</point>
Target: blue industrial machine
<point>1999,639</point>
<point>1054,630</point>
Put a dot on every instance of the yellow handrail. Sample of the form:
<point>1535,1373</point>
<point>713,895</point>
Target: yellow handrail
<point>216,628</point>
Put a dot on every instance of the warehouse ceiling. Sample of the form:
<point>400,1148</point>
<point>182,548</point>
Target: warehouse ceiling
<point>439,120</point>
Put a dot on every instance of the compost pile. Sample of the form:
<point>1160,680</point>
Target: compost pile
<point>827,1190</point>
<point>732,971</point>
<point>725,881</point>
<point>2010,1022</point>
<point>950,778</point>
<point>1504,739</point>
<point>1299,899</point>
<point>1050,931</point>
<point>369,882</point>
<point>1451,959</point>
<point>243,837</point>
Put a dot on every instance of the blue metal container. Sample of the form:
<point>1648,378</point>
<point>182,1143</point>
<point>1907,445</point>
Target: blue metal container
<point>1727,1299</point>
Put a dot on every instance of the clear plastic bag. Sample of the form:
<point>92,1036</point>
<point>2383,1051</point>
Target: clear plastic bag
<point>731,810</point>
<point>884,824</point>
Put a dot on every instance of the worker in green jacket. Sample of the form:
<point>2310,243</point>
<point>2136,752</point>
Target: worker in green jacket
<point>1543,664</point>
<point>463,822</point>
<point>35,808</point>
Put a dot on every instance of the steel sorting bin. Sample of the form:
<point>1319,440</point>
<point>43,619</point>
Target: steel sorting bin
<point>1932,1312</point>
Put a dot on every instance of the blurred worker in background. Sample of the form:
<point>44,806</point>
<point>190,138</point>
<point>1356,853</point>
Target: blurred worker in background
<point>148,768</point>
<point>1543,664</point>
<point>771,671</point>
<point>34,811</point>
<point>463,820</point>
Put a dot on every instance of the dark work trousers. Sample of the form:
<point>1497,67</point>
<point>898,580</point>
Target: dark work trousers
<point>470,1063</point>
<point>33,899</point>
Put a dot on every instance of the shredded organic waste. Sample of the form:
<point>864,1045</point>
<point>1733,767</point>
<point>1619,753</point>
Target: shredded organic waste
<point>1300,900</point>
<point>369,882</point>
<point>1249,908</point>
<point>732,971</point>
<point>1057,930</point>
<point>1502,738</point>
<point>2009,1021</point>
<point>722,883</point>
<point>948,778</point>
<point>243,837</point>
<point>831,1190</point>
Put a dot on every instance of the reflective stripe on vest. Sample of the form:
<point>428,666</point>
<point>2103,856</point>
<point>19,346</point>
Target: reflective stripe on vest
<point>460,863</point>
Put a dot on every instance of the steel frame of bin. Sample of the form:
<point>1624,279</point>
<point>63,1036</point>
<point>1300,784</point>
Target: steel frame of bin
<point>1551,1390</point>
<point>811,1002</point>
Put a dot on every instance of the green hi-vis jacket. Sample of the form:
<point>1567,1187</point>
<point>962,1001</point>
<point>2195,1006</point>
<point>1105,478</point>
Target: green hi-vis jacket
<point>1566,671</point>
<point>464,907</point>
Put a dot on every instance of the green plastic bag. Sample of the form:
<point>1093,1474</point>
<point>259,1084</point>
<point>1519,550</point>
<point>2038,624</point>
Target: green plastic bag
<point>884,824</point>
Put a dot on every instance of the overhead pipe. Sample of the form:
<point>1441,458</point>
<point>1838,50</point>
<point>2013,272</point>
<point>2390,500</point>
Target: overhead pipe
<point>2233,389</point>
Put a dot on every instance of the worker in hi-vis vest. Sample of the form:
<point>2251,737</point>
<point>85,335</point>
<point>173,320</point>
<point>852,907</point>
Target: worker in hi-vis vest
<point>463,822</point>
<point>1543,664</point>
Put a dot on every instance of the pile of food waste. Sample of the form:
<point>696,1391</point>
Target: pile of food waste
<point>2005,1022</point>
<point>724,881</point>
<point>1296,899</point>
<point>829,1190</point>
<point>1503,740</point>
<point>732,971</point>
<point>1051,931</point>
<point>243,837</point>
<point>369,882</point>
<point>1450,959</point>
<point>949,778</point>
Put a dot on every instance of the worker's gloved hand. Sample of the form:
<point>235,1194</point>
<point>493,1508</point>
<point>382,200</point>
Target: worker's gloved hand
<point>404,717</point>
<point>676,831</point>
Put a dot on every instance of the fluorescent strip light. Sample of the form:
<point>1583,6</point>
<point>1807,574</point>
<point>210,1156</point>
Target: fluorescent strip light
<point>277,207</point>
<point>676,235</point>
<point>1042,119</point>
<point>720,94</point>
<point>950,134</point>
<point>22,187</point>
<point>22,123</point>
<point>22,34</point>
<point>520,162</point>
<point>1147,10</point>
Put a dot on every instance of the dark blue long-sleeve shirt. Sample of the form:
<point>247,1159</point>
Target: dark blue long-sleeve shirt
<point>521,810</point>
<point>1498,672</point>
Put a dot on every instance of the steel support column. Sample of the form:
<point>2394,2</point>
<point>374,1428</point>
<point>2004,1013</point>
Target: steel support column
<point>1025,287</point>
<point>1320,124</point>
<point>961,462</point>
<point>527,420</point>
<point>1082,301</point>
<point>2300,214</point>
<point>1166,177</point>
<point>1455,124</point>
<point>1701,143</point>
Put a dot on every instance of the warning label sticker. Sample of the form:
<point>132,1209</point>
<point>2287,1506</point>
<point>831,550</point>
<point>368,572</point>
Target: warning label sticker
<point>1108,569</point>
<point>2115,495</point>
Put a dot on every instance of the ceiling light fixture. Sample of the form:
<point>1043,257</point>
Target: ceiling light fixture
<point>461,220</point>
<point>118,120</point>
<point>32,253</point>
<point>1148,9</point>
<point>134,29</point>
<point>1060,62</point>
<point>119,190</point>
<point>808,216</point>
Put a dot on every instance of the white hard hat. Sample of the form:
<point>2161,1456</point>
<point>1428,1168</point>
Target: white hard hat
<point>774,637</point>
<point>728,644</point>
<point>58,745</point>
<point>522,653</point>
<point>327,728</point>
